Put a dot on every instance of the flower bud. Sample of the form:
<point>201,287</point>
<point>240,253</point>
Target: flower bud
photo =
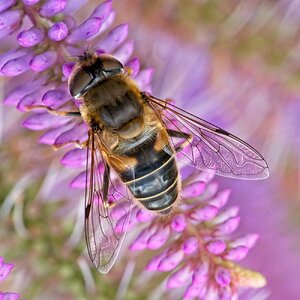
<point>179,278</point>
<point>85,30</point>
<point>58,31</point>
<point>193,190</point>
<point>5,4</point>
<point>158,239</point>
<point>52,7</point>
<point>222,277</point>
<point>237,253</point>
<point>216,247</point>
<point>178,223</point>
<point>43,61</point>
<point>30,37</point>
<point>75,158</point>
<point>190,245</point>
<point>114,38</point>
<point>171,261</point>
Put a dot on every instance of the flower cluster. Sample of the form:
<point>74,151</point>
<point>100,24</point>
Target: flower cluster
<point>5,270</point>
<point>195,243</point>
<point>47,36</point>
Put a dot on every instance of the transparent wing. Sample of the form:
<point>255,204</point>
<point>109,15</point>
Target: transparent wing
<point>107,209</point>
<point>211,148</point>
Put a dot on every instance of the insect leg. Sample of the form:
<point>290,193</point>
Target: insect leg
<point>180,135</point>
<point>105,183</point>
<point>55,112</point>
<point>77,143</point>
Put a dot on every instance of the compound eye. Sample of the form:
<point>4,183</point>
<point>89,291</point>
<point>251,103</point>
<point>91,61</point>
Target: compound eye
<point>110,63</point>
<point>78,81</point>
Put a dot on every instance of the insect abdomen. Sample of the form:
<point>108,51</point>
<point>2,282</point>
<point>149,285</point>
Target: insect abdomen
<point>154,179</point>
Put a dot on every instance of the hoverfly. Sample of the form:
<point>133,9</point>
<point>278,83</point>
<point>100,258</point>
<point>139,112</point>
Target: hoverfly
<point>137,139</point>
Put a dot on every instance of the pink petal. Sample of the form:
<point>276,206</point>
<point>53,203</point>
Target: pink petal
<point>222,277</point>
<point>179,278</point>
<point>159,238</point>
<point>40,121</point>
<point>75,158</point>
<point>9,296</point>
<point>74,6</point>
<point>79,181</point>
<point>5,270</point>
<point>216,247</point>
<point>248,240</point>
<point>31,37</point>
<point>52,7</point>
<point>178,223</point>
<point>155,261</point>
<point>114,38</point>
<point>134,65</point>
<point>77,133</point>
<point>85,30</point>
<point>30,87</point>
<point>195,290</point>
<point>103,10</point>
<point>193,190</point>
<point>226,294</point>
<point>171,261</point>
<point>201,273</point>
<point>144,78</point>
<point>221,198</point>
<point>237,253</point>
<point>43,61</point>
<point>228,226</point>
<point>124,52</point>
<point>12,54</point>
<point>144,216</point>
<point>9,21</point>
<point>67,69</point>
<point>190,245</point>
<point>58,31</point>
<point>4,5</point>
<point>107,23</point>
<point>16,66</point>
<point>140,243</point>
<point>51,135</point>
<point>205,213</point>
<point>55,97</point>
<point>29,100</point>
<point>119,228</point>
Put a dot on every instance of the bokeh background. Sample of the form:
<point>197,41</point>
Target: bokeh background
<point>234,63</point>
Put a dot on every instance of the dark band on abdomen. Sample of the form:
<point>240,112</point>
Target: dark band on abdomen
<point>153,181</point>
<point>157,190</point>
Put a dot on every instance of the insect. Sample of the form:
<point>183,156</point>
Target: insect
<point>134,143</point>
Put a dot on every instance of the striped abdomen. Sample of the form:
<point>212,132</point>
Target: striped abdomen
<point>154,179</point>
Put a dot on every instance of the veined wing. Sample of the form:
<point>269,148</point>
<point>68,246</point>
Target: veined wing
<point>211,148</point>
<point>107,209</point>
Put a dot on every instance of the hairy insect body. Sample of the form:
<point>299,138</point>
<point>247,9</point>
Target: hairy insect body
<point>153,180</point>
<point>137,146</point>
<point>138,136</point>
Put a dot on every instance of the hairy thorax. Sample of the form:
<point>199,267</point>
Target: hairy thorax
<point>112,103</point>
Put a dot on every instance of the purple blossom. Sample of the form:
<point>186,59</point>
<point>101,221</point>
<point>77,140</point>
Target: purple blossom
<point>202,258</point>
<point>194,246</point>
<point>30,37</point>
<point>58,31</point>
<point>5,270</point>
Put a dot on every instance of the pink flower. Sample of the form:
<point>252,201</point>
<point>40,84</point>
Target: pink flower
<point>5,270</point>
<point>194,247</point>
<point>197,252</point>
